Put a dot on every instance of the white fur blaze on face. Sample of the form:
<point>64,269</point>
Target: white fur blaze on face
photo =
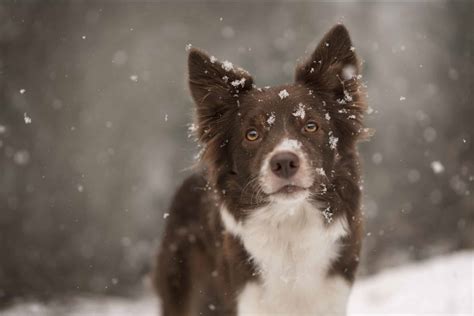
<point>304,177</point>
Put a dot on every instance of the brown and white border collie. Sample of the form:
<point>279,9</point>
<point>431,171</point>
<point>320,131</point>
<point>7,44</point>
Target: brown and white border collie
<point>271,225</point>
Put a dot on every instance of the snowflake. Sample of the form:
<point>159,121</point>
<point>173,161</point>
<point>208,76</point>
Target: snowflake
<point>192,128</point>
<point>333,141</point>
<point>227,65</point>
<point>327,213</point>
<point>27,118</point>
<point>327,116</point>
<point>283,94</point>
<point>213,59</point>
<point>271,119</point>
<point>300,112</point>
<point>348,72</point>
<point>321,171</point>
<point>188,47</point>
<point>437,167</point>
<point>237,82</point>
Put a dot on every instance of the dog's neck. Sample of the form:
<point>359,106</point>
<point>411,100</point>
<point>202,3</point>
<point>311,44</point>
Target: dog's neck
<point>288,241</point>
<point>292,246</point>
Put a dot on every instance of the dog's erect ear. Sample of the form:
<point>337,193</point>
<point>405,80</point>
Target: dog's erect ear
<point>333,67</point>
<point>216,87</point>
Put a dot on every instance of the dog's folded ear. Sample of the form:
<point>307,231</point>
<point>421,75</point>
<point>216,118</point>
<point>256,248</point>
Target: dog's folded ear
<point>333,66</point>
<point>216,87</point>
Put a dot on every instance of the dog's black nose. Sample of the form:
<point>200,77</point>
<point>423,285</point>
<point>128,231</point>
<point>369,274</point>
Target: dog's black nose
<point>285,164</point>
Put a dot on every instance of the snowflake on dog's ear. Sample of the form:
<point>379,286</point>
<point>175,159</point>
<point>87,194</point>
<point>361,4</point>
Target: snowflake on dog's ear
<point>333,72</point>
<point>216,88</point>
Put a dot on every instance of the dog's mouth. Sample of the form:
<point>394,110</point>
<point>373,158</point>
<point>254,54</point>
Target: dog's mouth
<point>289,189</point>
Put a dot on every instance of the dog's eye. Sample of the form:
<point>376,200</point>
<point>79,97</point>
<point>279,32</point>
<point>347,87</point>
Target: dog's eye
<point>311,127</point>
<point>251,134</point>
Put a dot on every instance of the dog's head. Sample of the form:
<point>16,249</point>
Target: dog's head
<point>282,143</point>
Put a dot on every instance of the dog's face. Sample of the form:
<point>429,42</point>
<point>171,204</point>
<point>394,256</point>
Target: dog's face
<point>278,144</point>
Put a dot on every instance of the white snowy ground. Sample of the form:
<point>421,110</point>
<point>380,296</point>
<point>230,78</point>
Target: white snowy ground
<point>440,286</point>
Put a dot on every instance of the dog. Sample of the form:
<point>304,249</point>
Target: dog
<point>271,224</point>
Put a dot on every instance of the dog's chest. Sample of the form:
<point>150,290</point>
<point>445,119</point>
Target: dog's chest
<point>293,250</point>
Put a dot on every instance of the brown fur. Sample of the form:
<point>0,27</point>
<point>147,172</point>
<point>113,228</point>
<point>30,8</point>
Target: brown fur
<point>201,268</point>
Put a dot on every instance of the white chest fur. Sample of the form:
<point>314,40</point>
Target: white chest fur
<point>293,249</point>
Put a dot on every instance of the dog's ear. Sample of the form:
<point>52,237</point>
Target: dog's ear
<point>333,66</point>
<point>216,88</point>
<point>333,70</point>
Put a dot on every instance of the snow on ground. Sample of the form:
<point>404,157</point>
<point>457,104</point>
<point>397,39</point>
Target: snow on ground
<point>440,286</point>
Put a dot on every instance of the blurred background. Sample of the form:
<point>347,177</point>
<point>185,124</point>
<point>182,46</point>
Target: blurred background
<point>94,113</point>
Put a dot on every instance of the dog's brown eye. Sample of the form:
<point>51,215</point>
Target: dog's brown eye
<point>251,135</point>
<point>311,127</point>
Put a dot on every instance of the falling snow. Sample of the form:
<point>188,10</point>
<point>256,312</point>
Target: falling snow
<point>27,118</point>
<point>348,72</point>
<point>21,157</point>
<point>437,167</point>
